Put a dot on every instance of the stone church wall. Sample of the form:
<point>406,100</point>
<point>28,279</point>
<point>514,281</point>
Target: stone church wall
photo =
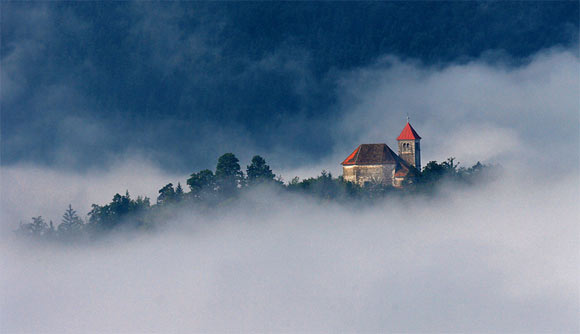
<point>410,151</point>
<point>369,173</point>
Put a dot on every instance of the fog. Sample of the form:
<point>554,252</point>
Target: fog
<point>498,257</point>
<point>503,257</point>
<point>481,110</point>
<point>29,190</point>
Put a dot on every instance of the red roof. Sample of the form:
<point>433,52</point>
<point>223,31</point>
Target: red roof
<point>408,133</point>
<point>372,154</point>
<point>351,159</point>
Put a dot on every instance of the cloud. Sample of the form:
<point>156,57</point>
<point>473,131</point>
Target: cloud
<point>29,191</point>
<point>161,83</point>
<point>473,111</point>
<point>520,117</point>
<point>501,258</point>
<point>252,73</point>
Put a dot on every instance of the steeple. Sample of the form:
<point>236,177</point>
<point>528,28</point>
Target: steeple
<point>408,133</point>
<point>409,145</point>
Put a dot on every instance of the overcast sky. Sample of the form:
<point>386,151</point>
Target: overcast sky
<point>99,98</point>
<point>87,83</point>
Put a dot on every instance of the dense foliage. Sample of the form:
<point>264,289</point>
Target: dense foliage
<point>209,190</point>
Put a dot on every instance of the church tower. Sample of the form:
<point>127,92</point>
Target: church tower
<point>409,147</point>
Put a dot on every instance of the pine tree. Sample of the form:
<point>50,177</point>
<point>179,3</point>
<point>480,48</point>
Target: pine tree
<point>178,192</point>
<point>37,228</point>
<point>166,194</point>
<point>258,172</point>
<point>71,224</point>
<point>203,180</point>
<point>228,174</point>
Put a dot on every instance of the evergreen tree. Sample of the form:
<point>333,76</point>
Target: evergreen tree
<point>433,171</point>
<point>166,194</point>
<point>119,210</point>
<point>258,172</point>
<point>71,224</point>
<point>201,181</point>
<point>37,228</point>
<point>178,193</point>
<point>229,176</point>
<point>50,232</point>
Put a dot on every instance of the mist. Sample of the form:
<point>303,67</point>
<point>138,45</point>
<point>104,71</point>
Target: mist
<point>498,258</point>
<point>481,110</point>
<point>502,256</point>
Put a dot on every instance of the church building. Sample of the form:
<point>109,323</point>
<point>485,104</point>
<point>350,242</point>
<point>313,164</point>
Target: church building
<point>377,163</point>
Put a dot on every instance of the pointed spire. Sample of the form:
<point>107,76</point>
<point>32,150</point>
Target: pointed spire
<point>408,132</point>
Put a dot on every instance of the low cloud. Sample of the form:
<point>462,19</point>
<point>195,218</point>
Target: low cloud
<point>473,111</point>
<point>502,257</point>
<point>29,190</point>
<point>497,258</point>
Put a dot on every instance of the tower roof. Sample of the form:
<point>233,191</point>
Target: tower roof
<point>372,154</point>
<point>408,133</point>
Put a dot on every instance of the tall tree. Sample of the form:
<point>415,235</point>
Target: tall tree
<point>201,180</point>
<point>178,192</point>
<point>434,171</point>
<point>229,176</point>
<point>166,194</point>
<point>37,228</point>
<point>71,224</point>
<point>258,172</point>
<point>116,212</point>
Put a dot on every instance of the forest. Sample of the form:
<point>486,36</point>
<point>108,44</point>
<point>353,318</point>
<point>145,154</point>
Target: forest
<point>209,191</point>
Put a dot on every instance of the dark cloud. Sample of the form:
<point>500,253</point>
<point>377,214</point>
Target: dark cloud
<point>164,78</point>
<point>136,95</point>
<point>520,117</point>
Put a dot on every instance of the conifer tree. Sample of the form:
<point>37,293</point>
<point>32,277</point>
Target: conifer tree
<point>178,192</point>
<point>71,224</point>
<point>37,228</point>
<point>166,194</point>
<point>258,172</point>
<point>203,180</point>
<point>228,174</point>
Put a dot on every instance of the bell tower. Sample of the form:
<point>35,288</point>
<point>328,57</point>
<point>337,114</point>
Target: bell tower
<point>409,146</point>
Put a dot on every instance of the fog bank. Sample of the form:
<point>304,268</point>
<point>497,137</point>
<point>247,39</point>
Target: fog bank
<point>498,258</point>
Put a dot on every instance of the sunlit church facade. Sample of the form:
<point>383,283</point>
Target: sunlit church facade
<point>378,164</point>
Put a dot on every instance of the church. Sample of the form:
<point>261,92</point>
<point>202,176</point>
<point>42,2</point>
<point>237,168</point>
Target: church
<point>378,164</point>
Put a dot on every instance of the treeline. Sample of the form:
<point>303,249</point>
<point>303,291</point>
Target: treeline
<point>209,190</point>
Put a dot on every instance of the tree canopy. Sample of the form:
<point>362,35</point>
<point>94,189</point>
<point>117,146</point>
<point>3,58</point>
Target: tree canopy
<point>122,208</point>
<point>213,190</point>
<point>228,174</point>
<point>258,172</point>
